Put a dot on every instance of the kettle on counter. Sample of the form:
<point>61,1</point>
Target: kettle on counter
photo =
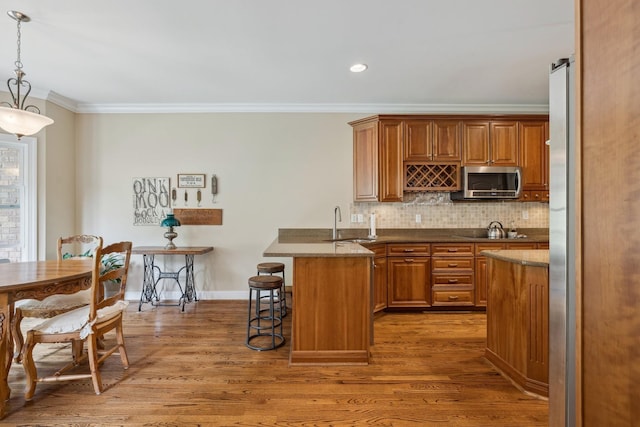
<point>495,230</point>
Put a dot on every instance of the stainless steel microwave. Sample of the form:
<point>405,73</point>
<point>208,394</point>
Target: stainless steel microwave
<point>489,182</point>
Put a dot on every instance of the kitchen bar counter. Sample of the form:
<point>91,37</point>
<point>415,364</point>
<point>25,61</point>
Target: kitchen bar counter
<point>317,249</point>
<point>332,301</point>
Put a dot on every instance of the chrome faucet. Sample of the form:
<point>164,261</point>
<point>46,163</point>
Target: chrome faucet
<point>337,216</point>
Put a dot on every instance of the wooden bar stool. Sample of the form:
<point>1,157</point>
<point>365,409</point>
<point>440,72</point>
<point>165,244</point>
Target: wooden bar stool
<point>276,267</point>
<point>263,322</point>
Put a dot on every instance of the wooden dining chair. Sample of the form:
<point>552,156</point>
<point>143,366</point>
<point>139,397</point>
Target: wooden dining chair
<point>88,323</point>
<point>78,246</point>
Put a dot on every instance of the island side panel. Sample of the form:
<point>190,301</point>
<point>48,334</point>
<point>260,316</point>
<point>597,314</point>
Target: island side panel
<point>332,310</point>
<point>518,323</point>
<point>537,279</point>
<point>507,318</point>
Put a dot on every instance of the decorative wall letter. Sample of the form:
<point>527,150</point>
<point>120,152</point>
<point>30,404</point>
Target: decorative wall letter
<point>151,200</point>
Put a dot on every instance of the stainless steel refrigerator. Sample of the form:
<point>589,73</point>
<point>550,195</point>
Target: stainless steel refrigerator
<point>562,247</point>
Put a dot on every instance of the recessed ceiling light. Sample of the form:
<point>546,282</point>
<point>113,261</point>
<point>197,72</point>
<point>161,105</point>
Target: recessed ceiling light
<point>358,68</point>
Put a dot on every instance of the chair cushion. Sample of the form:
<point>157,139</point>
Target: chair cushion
<point>54,305</point>
<point>78,320</point>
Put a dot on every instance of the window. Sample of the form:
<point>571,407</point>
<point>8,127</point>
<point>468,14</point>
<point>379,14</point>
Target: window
<point>18,198</point>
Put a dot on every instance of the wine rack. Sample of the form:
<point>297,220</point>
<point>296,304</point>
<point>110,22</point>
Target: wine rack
<point>420,176</point>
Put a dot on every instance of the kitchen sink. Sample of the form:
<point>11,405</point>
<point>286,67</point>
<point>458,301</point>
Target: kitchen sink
<point>353,240</point>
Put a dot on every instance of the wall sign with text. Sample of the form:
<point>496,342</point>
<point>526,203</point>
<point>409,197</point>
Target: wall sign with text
<point>193,180</point>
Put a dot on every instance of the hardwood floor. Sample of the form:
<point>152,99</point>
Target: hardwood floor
<point>192,368</point>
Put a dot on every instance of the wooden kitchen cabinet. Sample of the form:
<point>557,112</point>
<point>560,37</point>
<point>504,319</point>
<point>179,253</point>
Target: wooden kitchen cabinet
<point>393,154</point>
<point>452,274</point>
<point>432,140</point>
<point>390,161</point>
<point>408,275</point>
<point>447,140</point>
<point>503,137</point>
<point>534,160</point>
<point>377,160</point>
<point>379,276</point>
<point>418,140</point>
<point>493,143</point>
<point>365,162</point>
<point>475,142</point>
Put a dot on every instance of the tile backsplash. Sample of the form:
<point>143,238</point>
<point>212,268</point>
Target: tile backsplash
<point>436,210</point>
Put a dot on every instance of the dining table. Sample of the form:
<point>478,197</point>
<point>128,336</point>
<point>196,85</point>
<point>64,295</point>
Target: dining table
<point>33,280</point>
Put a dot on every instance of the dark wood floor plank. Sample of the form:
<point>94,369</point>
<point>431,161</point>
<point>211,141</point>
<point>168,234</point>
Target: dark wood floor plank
<point>192,368</point>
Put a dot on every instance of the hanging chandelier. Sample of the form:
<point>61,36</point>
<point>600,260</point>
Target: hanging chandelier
<point>16,118</point>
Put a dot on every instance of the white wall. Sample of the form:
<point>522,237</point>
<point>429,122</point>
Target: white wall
<point>274,171</point>
<point>56,180</point>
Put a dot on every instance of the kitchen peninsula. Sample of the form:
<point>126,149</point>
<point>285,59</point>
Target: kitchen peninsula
<point>332,308</point>
<point>518,317</point>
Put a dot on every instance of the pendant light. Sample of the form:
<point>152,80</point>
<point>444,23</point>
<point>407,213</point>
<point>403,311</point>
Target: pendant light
<point>17,118</point>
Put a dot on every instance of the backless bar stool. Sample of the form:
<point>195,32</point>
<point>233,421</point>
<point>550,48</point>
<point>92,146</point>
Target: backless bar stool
<point>263,322</point>
<point>276,267</point>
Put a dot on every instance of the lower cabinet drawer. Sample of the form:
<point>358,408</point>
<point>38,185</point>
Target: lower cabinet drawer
<point>452,297</point>
<point>444,264</point>
<point>449,280</point>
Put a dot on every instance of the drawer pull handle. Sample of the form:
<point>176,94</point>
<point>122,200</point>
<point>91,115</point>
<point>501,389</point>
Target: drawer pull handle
<point>408,260</point>
<point>453,249</point>
<point>453,280</point>
<point>453,297</point>
<point>408,250</point>
<point>453,264</point>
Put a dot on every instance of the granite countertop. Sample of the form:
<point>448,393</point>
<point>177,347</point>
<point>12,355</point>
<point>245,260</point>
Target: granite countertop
<point>317,249</point>
<point>317,242</point>
<point>408,235</point>
<point>531,257</point>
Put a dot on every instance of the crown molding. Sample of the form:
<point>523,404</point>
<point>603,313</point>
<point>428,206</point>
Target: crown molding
<point>311,108</point>
<point>62,101</point>
<point>87,108</point>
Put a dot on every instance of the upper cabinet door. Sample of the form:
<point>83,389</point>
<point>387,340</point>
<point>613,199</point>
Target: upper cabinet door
<point>390,161</point>
<point>534,155</point>
<point>475,141</point>
<point>447,144</point>
<point>365,162</point>
<point>417,140</point>
<point>504,143</point>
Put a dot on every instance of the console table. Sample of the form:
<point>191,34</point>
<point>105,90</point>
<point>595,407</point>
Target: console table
<point>153,274</point>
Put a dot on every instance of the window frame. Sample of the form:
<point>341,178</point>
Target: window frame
<point>29,192</point>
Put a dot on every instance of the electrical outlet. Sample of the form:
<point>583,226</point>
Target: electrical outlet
<point>360,218</point>
<point>525,214</point>
<point>418,218</point>
<point>354,218</point>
